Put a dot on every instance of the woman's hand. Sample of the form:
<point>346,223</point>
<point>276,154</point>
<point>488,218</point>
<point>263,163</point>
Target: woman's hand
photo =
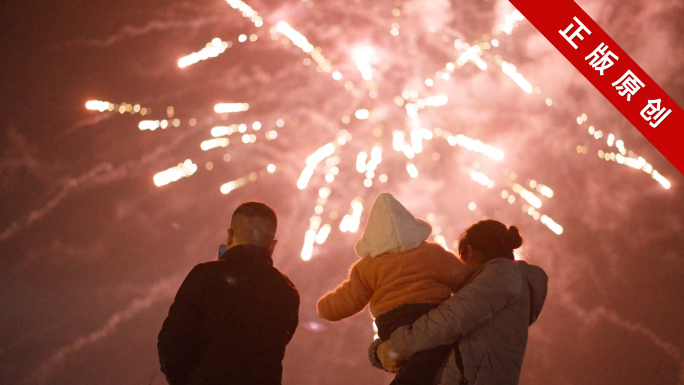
<point>386,357</point>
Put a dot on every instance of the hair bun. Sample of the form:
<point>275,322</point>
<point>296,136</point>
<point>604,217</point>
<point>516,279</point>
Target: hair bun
<point>514,240</point>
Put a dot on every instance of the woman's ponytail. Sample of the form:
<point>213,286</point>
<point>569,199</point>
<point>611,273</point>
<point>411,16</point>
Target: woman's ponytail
<point>513,238</point>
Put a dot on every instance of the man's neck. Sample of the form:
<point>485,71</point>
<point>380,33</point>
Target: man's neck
<point>251,250</point>
<point>236,244</point>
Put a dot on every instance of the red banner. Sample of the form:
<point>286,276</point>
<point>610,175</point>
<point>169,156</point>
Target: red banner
<point>612,72</point>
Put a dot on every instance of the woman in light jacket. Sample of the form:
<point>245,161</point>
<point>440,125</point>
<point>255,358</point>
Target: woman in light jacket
<point>486,320</point>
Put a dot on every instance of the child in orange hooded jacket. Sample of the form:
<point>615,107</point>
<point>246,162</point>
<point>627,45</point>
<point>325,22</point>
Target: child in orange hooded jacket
<point>402,276</point>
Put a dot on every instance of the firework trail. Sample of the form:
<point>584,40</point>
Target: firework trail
<point>162,290</point>
<point>589,317</point>
<point>129,31</point>
<point>102,173</point>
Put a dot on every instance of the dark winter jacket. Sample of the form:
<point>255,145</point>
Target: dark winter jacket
<point>230,322</point>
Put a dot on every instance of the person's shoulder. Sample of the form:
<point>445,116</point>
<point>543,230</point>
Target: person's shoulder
<point>204,269</point>
<point>366,262</point>
<point>208,265</point>
<point>502,265</point>
<point>289,290</point>
<point>422,249</point>
<point>198,269</point>
<point>285,278</point>
<point>434,248</point>
<point>435,251</point>
<point>505,271</point>
<point>287,283</point>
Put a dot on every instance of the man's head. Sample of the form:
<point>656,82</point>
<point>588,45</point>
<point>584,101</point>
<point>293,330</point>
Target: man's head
<point>253,223</point>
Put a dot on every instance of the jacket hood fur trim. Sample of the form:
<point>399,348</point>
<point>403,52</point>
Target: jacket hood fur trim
<point>391,228</point>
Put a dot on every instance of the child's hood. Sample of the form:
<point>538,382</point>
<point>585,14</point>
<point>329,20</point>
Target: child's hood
<point>391,229</point>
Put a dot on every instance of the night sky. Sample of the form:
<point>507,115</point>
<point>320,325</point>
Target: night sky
<point>92,251</point>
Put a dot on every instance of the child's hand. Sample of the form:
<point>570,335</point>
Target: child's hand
<point>387,358</point>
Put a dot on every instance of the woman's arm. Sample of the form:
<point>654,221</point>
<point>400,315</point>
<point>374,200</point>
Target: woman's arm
<point>498,283</point>
<point>347,299</point>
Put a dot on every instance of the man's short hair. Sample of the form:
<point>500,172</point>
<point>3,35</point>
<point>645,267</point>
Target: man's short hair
<point>254,222</point>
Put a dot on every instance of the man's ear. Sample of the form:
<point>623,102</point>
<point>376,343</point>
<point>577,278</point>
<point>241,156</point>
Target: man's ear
<point>229,241</point>
<point>273,245</point>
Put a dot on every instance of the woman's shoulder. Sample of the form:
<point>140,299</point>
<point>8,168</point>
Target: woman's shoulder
<point>503,270</point>
<point>499,266</point>
<point>501,263</point>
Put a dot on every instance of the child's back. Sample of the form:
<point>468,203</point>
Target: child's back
<point>425,274</point>
<point>400,274</point>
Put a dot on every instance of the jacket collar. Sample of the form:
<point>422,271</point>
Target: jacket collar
<point>477,271</point>
<point>248,252</point>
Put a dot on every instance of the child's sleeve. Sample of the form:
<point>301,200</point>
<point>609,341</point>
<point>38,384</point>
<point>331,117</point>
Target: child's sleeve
<point>347,299</point>
<point>450,270</point>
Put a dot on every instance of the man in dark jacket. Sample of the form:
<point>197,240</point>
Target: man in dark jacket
<point>232,318</point>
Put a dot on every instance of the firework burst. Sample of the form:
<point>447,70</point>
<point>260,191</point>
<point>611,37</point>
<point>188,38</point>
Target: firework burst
<point>376,102</point>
